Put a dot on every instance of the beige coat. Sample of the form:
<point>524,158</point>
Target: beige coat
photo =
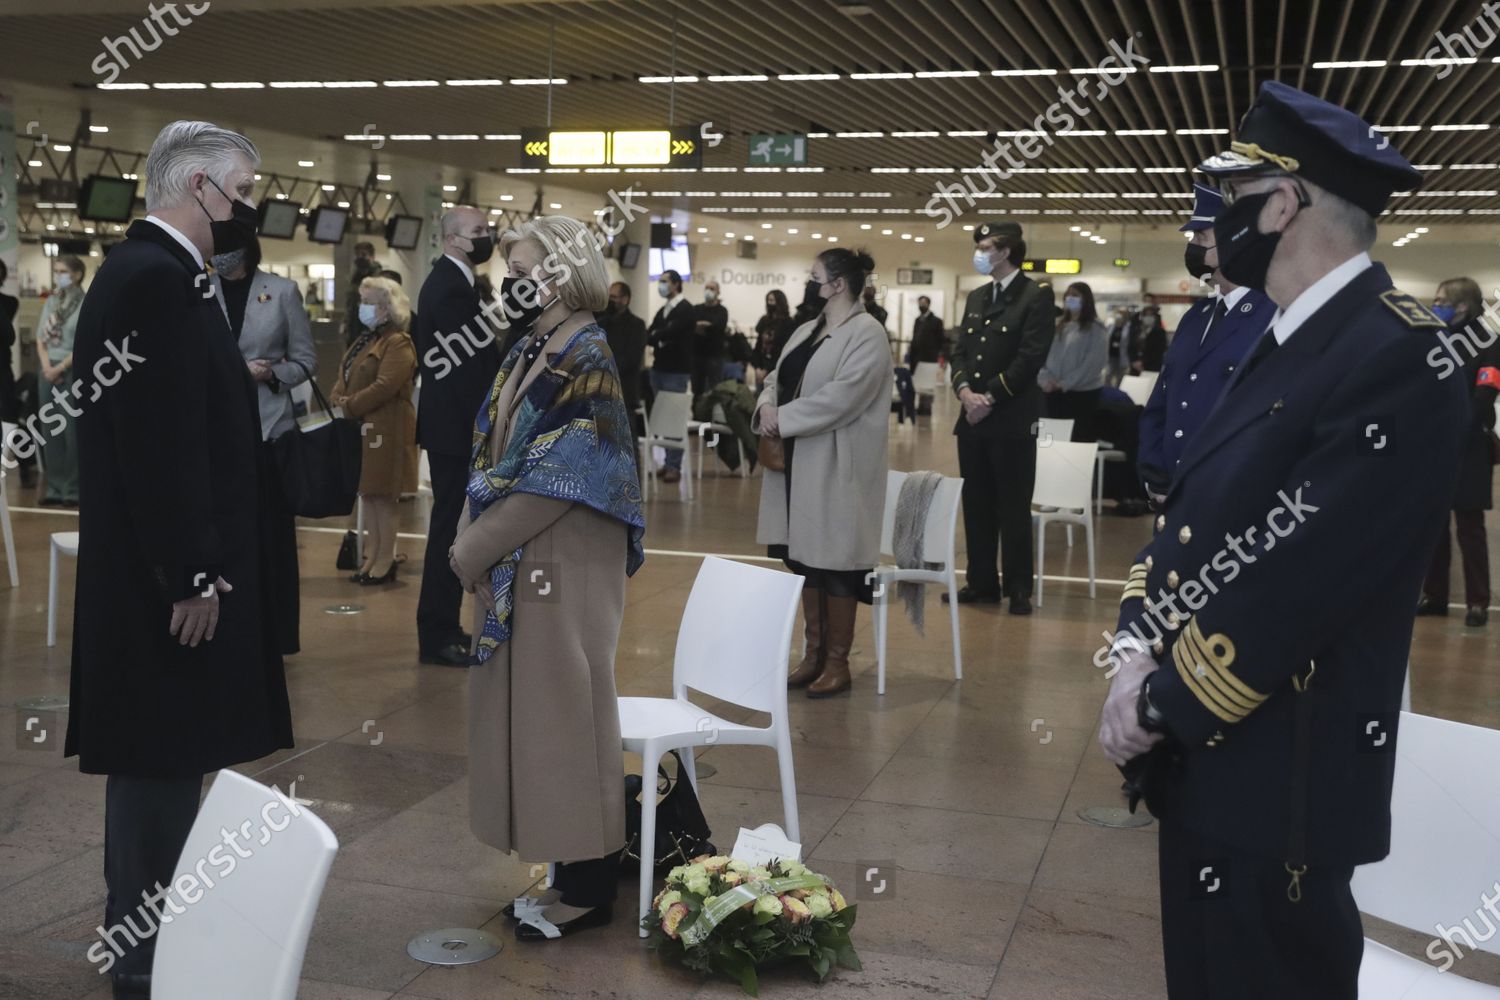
<point>841,423</point>
<point>546,777</point>
<point>379,394</point>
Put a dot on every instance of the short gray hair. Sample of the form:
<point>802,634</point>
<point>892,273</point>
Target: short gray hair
<point>184,148</point>
<point>572,259</point>
<point>1358,223</point>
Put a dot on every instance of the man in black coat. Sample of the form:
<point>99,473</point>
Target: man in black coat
<point>176,671</point>
<point>1002,343</point>
<point>1264,632</point>
<point>711,340</point>
<point>626,333</point>
<point>928,346</point>
<point>671,339</point>
<point>459,358</point>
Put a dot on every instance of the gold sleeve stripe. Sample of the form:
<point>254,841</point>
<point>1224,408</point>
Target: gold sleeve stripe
<point>1217,652</point>
<point>1213,681</point>
<point>1184,670</point>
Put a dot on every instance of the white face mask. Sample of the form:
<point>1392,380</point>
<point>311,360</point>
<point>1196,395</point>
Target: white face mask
<point>367,314</point>
<point>710,296</point>
<point>983,262</point>
<point>62,281</point>
<point>663,289</point>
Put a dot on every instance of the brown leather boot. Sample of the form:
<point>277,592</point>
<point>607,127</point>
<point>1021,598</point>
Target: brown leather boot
<point>839,640</point>
<point>812,661</point>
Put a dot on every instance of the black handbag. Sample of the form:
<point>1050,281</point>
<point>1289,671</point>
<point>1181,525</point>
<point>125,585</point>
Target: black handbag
<point>348,559</point>
<point>681,829</point>
<point>320,468</point>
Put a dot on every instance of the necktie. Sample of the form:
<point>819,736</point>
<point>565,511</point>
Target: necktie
<point>1264,347</point>
<point>1220,311</point>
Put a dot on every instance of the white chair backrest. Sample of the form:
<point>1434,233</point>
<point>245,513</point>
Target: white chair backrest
<point>6,430</point>
<point>1050,429</point>
<point>243,932</point>
<point>1445,833</point>
<point>670,413</point>
<point>1138,387</point>
<point>750,670</point>
<point>942,518</point>
<point>1065,474</point>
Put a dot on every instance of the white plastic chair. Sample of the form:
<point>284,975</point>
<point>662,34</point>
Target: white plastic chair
<point>1107,453</point>
<point>7,462</point>
<point>245,937</point>
<point>750,672</point>
<point>62,543</point>
<point>1049,429</point>
<point>667,427</point>
<point>1445,853</point>
<point>704,429</point>
<point>1064,484</point>
<point>1138,387</point>
<point>938,546</point>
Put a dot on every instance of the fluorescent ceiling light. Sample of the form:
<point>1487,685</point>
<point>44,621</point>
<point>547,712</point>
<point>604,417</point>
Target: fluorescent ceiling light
<point>881,76</point>
<point>915,135</point>
<point>1023,72</point>
<point>413,137</point>
<point>98,128</point>
<point>238,85</point>
<point>804,77</point>
<point>1202,131</point>
<point>347,84</point>
<point>124,86</point>
<point>409,83</point>
<point>667,79</point>
<point>740,78</point>
<point>1140,131</point>
<point>475,83</point>
<point>296,85</point>
<point>538,82</point>
<point>941,74</point>
<point>306,163</point>
<point>1208,68</point>
<point>859,135</point>
<point>1439,62</point>
<point>1350,64</point>
<point>180,86</point>
<point>1459,128</point>
<point>504,137</point>
<point>457,138</point>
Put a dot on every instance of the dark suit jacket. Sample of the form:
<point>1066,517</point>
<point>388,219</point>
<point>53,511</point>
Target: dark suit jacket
<point>927,342</point>
<point>626,333</point>
<point>1000,347</point>
<point>458,358</point>
<point>168,439</point>
<point>1294,540</point>
<point>671,335</point>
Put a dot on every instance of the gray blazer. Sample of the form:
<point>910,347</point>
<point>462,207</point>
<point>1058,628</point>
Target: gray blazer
<point>276,328</point>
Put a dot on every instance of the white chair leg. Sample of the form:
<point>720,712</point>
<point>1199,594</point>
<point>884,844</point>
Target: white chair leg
<point>881,612</point>
<point>788,786</point>
<point>690,767</point>
<point>1070,536</point>
<point>1098,484</point>
<point>52,594</point>
<point>958,653</point>
<point>1041,551</point>
<point>1088,532</point>
<point>650,758</point>
<point>10,541</point>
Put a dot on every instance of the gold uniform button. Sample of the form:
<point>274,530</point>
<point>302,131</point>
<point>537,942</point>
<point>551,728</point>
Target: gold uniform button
<point>979,357</point>
<point>1161,522</point>
<point>1172,579</point>
<point>1158,648</point>
<point>1172,620</point>
<point>1184,534</point>
<point>1149,562</point>
<point>971,329</point>
<point>1146,602</point>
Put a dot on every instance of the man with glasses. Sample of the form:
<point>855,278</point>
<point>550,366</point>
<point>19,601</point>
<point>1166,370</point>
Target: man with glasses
<point>1264,631</point>
<point>1212,339</point>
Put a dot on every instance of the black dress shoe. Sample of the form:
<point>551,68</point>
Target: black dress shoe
<point>132,985</point>
<point>968,595</point>
<point>451,655</point>
<point>1477,617</point>
<point>599,916</point>
<point>366,580</point>
<point>1429,606</point>
<point>1020,605</point>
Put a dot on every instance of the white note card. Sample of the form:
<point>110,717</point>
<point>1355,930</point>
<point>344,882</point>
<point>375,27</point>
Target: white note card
<point>767,841</point>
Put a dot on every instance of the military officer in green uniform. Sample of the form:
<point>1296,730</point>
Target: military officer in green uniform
<point>1000,345</point>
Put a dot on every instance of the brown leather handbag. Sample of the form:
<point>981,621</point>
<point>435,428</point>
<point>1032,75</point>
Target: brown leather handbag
<point>770,452</point>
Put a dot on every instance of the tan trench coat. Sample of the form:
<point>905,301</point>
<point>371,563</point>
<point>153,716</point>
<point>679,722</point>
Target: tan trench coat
<point>841,423</point>
<point>379,390</point>
<point>546,775</point>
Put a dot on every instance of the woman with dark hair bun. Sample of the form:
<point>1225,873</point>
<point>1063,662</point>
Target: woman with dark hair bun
<point>828,403</point>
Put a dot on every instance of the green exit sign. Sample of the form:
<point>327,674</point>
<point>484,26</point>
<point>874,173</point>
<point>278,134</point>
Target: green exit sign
<point>789,149</point>
<point>1122,262</point>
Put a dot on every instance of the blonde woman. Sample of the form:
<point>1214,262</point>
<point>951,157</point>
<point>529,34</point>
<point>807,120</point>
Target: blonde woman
<point>374,386</point>
<point>552,528</point>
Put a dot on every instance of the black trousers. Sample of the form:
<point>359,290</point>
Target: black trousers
<point>1078,407</point>
<point>707,373</point>
<point>1469,526</point>
<point>442,596</point>
<point>588,883</point>
<point>146,823</point>
<point>279,539</point>
<point>999,475</point>
<point>1229,931</point>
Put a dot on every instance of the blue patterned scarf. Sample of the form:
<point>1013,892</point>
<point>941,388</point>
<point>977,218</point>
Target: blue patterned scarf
<point>571,440</point>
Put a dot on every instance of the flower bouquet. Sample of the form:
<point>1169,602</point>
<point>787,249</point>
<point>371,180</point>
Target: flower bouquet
<point>719,915</point>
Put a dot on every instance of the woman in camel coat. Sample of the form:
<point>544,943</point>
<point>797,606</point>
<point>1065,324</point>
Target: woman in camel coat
<point>551,530</point>
<point>829,402</point>
<point>374,387</point>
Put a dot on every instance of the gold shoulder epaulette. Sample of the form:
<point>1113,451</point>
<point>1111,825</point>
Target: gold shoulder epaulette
<point>1410,311</point>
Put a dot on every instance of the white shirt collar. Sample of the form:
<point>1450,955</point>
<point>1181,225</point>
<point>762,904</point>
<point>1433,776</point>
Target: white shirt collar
<point>672,303</point>
<point>1317,295</point>
<point>173,232</point>
<point>463,266</point>
<point>1233,298</point>
<point>1004,282</point>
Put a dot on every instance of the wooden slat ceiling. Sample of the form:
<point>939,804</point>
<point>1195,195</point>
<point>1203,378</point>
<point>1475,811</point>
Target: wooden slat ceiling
<point>602,47</point>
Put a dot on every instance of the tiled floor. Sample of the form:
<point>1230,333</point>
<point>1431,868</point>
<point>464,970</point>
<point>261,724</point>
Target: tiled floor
<point>966,794</point>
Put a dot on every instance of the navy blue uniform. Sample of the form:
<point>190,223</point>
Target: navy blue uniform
<point>1278,599</point>
<point>1193,376</point>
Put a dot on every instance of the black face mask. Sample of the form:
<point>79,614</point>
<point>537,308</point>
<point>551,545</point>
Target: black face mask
<point>236,232</point>
<point>522,301</point>
<point>813,294</point>
<point>1196,259</point>
<point>484,246</point>
<point>1244,251</point>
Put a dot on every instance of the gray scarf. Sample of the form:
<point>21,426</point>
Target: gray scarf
<point>907,537</point>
